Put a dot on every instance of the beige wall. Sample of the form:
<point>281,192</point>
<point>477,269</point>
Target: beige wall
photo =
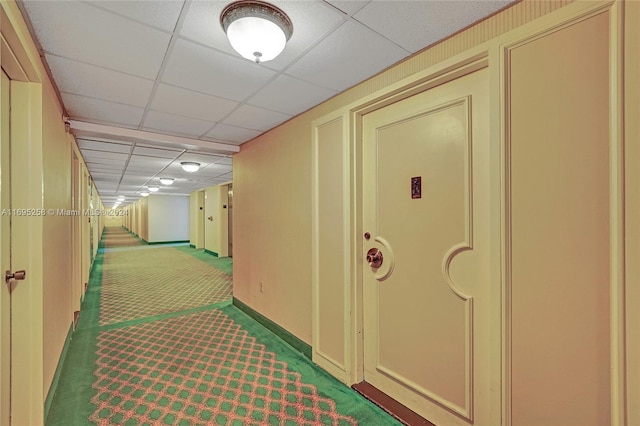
<point>632,112</point>
<point>272,181</point>
<point>142,218</point>
<point>560,225</point>
<point>57,258</point>
<point>272,225</point>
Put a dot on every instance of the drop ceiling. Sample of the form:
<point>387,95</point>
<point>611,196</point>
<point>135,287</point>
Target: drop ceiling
<point>149,84</point>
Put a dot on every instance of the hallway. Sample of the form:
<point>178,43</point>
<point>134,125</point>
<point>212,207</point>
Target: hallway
<point>159,342</point>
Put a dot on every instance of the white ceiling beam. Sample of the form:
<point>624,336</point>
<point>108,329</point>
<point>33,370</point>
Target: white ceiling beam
<point>82,129</point>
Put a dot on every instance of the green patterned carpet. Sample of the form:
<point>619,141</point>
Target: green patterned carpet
<point>119,237</point>
<point>159,342</point>
<point>154,281</point>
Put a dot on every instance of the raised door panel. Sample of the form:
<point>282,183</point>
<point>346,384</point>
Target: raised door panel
<point>560,226</point>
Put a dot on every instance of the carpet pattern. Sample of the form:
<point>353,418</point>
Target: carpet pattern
<point>155,281</point>
<point>115,236</point>
<point>201,368</point>
<point>159,342</point>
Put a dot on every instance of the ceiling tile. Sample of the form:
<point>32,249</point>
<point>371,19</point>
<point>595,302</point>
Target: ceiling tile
<point>290,95</point>
<point>250,117</point>
<point>233,134</point>
<point>214,170</point>
<point>141,171</point>
<point>359,52</point>
<point>133,180</point>
<point>109,185</point>
<point>114,157</point>
<point>423,23</point>
<point>175,124</point>
<point>103,146</point>
<point>106,176</point>
<point>96,82</point>
<point>174,100</point>
<point>98,169</point>
<point>144,161</point>
<point>202,24</point>
<point>348,6</point>
<point>156,152</point>
<point>205,70</point>
<point>104,163</point>
<point>161,14</point>
<point>98,111</point>
<point>102,177</point>
<point>84,32</point>
<point>128,188</point>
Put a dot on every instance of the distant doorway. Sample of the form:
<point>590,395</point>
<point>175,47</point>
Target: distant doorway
<point>230,220</point>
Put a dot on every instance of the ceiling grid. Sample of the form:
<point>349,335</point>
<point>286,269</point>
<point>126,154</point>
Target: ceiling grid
<point>152,83</point>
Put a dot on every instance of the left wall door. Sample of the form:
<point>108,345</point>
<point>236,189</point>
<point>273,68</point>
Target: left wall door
<point>5,255</point>
<point>17,377</point>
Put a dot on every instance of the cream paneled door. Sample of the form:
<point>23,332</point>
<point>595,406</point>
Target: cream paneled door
<point>426,208</point>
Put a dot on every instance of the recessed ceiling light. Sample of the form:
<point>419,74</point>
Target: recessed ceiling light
<point>166,181</point>
<point>190,166</point>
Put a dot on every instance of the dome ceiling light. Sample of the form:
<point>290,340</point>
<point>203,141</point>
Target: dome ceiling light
<point>258,31</point>
<point>166,180</point>
<point>190,166</point>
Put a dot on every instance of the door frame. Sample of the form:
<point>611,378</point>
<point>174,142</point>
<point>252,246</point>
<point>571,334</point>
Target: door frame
<point>26,74</point>
<point>472,62</point>
<point>350,369</point>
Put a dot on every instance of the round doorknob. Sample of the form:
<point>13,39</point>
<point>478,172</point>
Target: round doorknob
<point>374,258</point>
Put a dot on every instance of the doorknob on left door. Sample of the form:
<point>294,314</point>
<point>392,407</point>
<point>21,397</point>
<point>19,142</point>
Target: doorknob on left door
<point>17,275</point>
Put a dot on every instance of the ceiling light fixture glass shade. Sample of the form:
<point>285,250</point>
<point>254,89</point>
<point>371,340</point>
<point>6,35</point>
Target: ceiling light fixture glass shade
<point>166,181</point>
<point>144,193</point>
<point>189,166</point>
<point>153,188</point>
<point>258,31</point>
<point>121,198</point>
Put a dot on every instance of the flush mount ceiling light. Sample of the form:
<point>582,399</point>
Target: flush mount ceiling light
<point>190,166</point>
<point>153,188</point>
<point>256,30</point>
<point>144,193</point>
<point>166,181</point>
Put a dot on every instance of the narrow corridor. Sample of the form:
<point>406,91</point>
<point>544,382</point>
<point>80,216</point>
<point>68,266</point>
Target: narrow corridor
<point>159,342</point>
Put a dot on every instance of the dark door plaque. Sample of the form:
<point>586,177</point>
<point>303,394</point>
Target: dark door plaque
<point>416,187</point>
